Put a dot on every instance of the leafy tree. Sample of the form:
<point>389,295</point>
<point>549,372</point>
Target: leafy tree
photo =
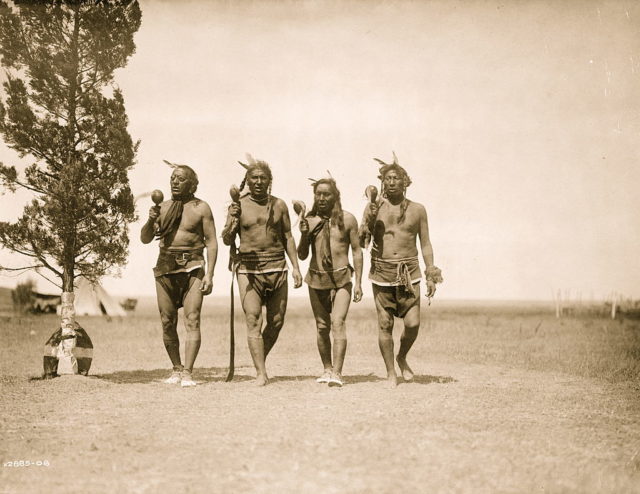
<point>63,111</point>
<point>22,296</point>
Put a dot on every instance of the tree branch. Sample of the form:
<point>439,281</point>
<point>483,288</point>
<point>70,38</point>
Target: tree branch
<point>44,106</point>
<point>38,255</point>
<point>50,281</point>
<point>25,186</point>
<point>44,156</point>
<point>24,268</point>
<point>19,250</point>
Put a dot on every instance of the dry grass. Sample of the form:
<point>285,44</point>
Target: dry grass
<point>534,339</point>
<point>507,399</point>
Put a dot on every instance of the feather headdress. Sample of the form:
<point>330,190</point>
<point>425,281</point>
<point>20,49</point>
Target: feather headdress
<point>395,160</point>
<point>394,165</point>
<point>251,161</point>
<point>329,177</point>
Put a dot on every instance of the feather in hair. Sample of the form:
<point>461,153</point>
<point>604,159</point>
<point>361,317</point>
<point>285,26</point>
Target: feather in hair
<point>172,165</point>
<point>250,159</point>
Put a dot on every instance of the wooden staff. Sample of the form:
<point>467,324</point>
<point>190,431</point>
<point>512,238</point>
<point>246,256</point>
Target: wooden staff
<point>234,193</point>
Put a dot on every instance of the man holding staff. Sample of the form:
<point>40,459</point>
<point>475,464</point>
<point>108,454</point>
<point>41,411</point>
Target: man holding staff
<point>185,227</point>
<point>394,222</point>
<point>262,223</point>
<point>330,231</point>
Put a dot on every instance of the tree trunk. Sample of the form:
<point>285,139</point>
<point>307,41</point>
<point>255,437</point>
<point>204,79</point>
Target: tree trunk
<point>67,363</point>
<point>68,310</point>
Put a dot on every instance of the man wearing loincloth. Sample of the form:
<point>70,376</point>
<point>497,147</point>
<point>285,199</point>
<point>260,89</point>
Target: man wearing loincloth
<point>394,222</point>
<point>330,231</point>
<point>185,227</point>
<point>262,223</point>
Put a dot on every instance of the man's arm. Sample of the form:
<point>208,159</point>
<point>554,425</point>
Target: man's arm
<point>427,250</point>
<point>149,228</point>
<point>356,251</point>
<point>303,247</point>
<point>211,243</point>
<point>290,244</point>
<point>367,226</point>
<point>372,214</point>
<point>363,232</point>
<point>231,226</point>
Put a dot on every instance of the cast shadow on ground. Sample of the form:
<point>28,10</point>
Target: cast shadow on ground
<point>206,374</point>
<point>368,378</point>
<point>430,380</point>
<point>348,379</point>
<point>218,374</point>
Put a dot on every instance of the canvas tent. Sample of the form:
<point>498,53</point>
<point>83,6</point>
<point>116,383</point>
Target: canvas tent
<point>44,303</point>
<point>91,299</point>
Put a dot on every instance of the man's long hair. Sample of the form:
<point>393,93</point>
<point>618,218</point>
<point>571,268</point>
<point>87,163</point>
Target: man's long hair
<point>337,215</point>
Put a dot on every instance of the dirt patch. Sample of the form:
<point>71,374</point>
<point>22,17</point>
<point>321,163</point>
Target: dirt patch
<point>461,427</point>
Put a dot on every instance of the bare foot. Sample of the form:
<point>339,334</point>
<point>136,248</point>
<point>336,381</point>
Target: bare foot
<point>261,380</point>
<point>407,373</point>
<point>391,382</point>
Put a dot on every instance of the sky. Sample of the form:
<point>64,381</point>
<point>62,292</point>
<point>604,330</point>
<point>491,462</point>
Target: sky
<point>518,122</point>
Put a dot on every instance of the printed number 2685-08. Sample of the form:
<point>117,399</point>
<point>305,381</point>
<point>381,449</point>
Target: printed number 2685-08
<point>26,463</point>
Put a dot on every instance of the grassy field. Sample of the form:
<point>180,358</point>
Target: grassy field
<point>506,399</point>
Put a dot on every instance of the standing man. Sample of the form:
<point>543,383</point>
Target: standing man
<point>394,222</point>
<point>330,231</point>
<point>184,225</point>
<point>262,223</point>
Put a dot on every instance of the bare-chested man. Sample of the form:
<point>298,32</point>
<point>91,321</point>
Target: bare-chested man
<point>262,223</point>
<point>184,225</point>
<point>330,231</point>
<point>394,223</point>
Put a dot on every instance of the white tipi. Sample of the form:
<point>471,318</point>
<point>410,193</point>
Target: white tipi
<point>93,300</point>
